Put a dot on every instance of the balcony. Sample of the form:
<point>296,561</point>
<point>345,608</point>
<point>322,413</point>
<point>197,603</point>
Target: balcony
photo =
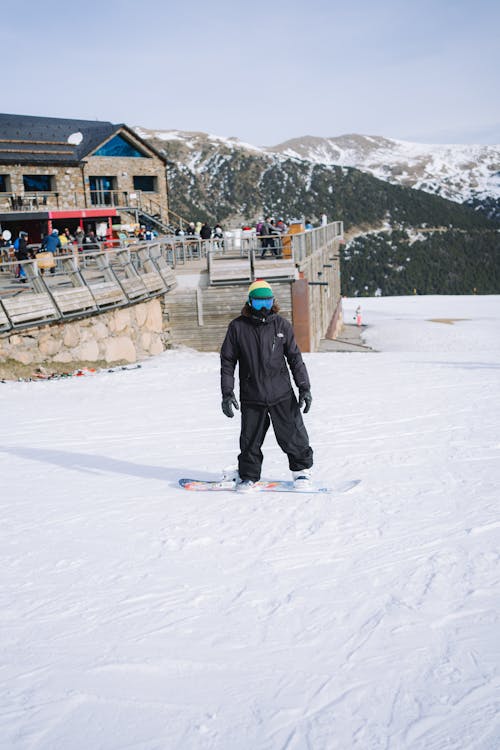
<point>36,201</point>
<point>136,200</point>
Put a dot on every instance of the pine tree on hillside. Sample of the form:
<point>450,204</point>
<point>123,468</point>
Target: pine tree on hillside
<point>452,262</point>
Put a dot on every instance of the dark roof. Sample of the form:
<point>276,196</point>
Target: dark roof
<point>25,139</point>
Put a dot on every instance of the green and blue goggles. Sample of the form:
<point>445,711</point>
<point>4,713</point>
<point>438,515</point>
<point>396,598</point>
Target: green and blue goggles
<point>264,303</point>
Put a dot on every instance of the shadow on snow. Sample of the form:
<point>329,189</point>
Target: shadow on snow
<point>93,463</point>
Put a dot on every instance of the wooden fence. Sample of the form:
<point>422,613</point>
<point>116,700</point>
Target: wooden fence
<point>306,285</point>
<point>82,284</point>
<point>306,279</point>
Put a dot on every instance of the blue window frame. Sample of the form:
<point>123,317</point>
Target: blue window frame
<point>3,183</point>
<point>37,183</point>
<point>118,146</point>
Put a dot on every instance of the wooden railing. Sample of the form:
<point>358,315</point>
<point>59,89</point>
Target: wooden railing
<point>82,284</point>
<point>33,201</point>
<point>90,282</point>
<point>289,254</point>
<point>37,200</point>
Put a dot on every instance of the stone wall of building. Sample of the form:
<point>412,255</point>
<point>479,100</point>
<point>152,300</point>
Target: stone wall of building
<point>67,181</point>
<point>124,169</point>
<point>123,335</point>
<point>72,182</point>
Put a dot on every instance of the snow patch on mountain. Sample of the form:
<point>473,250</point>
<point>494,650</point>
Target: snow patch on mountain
<point>461,173</point>
<point>457,172</point>
<point>193,140</point>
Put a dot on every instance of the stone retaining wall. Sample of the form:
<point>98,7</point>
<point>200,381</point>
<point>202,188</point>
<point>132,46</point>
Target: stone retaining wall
<point>124,335</point>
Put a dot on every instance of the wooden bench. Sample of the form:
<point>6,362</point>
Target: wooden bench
<point>4,321</point>
<point>167,273</point>
<point>108,293</point>
<point>29,307</point>
<point>153,282</point>
<point>74,300</point>
<point>274,269</point>
<point>134,287</point>
<point>224,271</point>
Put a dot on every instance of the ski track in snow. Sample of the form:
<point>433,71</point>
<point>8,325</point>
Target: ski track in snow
<point>137,616</point>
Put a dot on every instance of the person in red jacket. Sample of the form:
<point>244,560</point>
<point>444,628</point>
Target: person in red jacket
<point>262,344</point>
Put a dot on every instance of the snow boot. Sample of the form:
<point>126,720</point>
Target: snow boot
<point>302,479</point>
<point>245,485</point>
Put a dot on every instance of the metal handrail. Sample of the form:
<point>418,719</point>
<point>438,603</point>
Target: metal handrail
<point>302,252</point>
<point>29,200</point>
<point>126,199</point>
<point>177,219</point>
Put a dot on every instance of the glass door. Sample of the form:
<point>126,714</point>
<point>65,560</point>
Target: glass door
<point>101,191</point>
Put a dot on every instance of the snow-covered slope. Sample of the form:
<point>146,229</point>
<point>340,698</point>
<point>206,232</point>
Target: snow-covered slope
<point>456,172</point>
<point>136,615</point>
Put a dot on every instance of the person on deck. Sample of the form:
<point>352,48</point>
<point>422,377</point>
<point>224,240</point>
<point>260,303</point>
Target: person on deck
<point>51,243</point>
<point>21,253</point>
<point>205,231</point>
<point>263,345</point>
<point>218,236</point>
<point>267,233</point>
<point>80,238</point>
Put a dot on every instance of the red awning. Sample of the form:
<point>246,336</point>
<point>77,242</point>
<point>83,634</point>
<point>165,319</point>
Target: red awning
<point>86,213</point>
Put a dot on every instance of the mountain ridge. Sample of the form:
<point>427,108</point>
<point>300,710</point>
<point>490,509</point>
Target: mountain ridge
<point>400,238</point>
<point>468,174</point>
<point>458,172</point>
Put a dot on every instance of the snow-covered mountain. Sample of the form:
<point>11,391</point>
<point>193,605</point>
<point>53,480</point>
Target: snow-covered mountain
<point>372,185</point>
<point>462,173</point>
<point>193,139</point>
<point>196,142</point>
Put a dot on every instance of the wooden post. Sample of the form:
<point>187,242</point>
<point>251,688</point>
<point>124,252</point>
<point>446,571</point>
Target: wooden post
<point>335,323</point>
<point>300,314</point>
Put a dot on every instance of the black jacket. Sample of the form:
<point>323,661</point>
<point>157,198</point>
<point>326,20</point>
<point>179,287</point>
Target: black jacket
<point>22,249</point>
<point>262,347</point>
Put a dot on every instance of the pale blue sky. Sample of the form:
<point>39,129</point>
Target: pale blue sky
<point>261,71</point>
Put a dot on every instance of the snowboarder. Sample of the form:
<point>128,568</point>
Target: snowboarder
<point>358,317</point>
<point>261,342</point>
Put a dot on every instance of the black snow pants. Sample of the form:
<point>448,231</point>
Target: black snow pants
<point>289,430</point>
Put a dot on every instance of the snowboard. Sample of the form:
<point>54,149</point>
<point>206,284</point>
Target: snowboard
<point>229,485</point>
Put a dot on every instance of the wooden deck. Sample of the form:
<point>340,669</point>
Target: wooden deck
<point>198,317</point>
<point>223,270</point>
<point>197,311</point>
<point>275,269</point>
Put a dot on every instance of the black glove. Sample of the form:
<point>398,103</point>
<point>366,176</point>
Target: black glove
<point>227,404</point>
<point>305,398</point>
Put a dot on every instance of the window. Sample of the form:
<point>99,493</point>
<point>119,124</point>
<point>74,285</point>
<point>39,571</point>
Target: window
<point>4,183</point>
<point>102,191</point>
<point>118,146</point>
<point>145,183</point>
<point>37,183</point>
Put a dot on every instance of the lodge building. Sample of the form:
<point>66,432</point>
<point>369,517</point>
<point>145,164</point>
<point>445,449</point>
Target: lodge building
<point>57,173</point>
